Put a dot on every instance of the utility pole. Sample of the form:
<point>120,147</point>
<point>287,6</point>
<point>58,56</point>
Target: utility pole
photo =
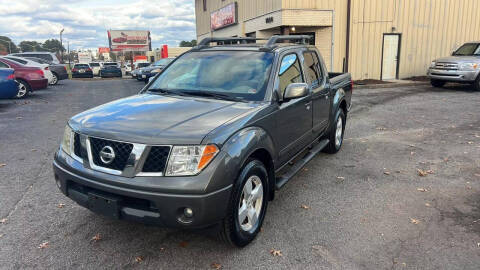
<point>61,44</point>
<point>68,50</point>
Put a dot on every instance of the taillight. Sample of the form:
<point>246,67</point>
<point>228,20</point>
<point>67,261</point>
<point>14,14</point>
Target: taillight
<point>39,72</point>
<point>46,68</point>
<point>89,69</point>
<point>74,70</point>
<point>11,77</point>
<point>65,68</point>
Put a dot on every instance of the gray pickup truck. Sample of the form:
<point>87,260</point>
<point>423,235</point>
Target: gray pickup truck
<point>209,139</point>
<point>462,67</point>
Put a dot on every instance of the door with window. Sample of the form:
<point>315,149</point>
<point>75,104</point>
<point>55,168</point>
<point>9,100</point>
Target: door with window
<point>316,80</point>
<point>294,118</point>
<point>391,48</point>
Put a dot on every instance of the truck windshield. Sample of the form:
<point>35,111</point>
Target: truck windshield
<point>235,74</point>
<point>468,49</point>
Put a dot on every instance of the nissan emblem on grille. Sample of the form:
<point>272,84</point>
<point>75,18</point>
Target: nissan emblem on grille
<point>107,155</point>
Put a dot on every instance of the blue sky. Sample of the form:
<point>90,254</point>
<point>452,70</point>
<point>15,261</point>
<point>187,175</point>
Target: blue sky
<point>86,22</point>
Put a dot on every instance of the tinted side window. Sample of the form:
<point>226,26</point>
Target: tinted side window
<point>290,72</point>
<point>23,62</point>
<point>313,72</point>
<point>3,65</point>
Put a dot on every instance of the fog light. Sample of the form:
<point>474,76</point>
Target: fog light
<point>188,212</point>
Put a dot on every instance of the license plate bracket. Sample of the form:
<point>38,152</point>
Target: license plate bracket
<point>104,205</point>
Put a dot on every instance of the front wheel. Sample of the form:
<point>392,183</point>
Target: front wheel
<point>437,83</point>
<point>247,206</point>
<point>476,84</point>
<point>336,133</point>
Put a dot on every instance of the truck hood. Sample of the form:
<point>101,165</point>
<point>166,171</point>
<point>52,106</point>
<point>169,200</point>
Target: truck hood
<point>157,119</point>
<point>459,59</point>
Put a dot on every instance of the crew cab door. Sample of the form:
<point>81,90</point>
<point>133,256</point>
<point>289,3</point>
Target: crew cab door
<point>316,79</point>
<point>294,117</point>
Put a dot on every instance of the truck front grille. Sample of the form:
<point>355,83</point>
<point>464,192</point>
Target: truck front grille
<point>156,160</point>
<point>122,153</point>
<point>446,66</point>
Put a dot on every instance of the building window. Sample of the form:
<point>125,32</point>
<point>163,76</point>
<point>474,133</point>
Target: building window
<point>204,5</point>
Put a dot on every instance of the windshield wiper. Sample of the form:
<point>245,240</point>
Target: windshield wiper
<point>166,91</point>
<point>213,95</point>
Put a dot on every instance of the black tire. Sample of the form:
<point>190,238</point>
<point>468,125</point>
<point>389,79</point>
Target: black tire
<point>230,228</point>
<point>437,83</point>
<point>476,84</point>
<point>332,146</point>
<point>55,79</point>
<point>24,89</point>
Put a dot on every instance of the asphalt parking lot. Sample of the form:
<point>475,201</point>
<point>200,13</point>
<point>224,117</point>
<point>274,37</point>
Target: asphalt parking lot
<point>365,208</point>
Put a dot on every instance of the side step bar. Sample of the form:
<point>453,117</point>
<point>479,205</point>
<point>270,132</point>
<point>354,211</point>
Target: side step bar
<point>281,181</point>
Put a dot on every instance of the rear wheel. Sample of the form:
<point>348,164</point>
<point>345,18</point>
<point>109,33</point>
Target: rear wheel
<point>23,89</point>
<point>437,83</point>
<point>335,135</point>
<point>54,79</point>
<point>247,206</point>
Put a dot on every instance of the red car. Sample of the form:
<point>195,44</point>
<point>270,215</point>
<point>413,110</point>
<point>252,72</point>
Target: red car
<point>29,78</point>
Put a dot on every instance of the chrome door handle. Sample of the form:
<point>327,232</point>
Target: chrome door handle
<point>307,105</point>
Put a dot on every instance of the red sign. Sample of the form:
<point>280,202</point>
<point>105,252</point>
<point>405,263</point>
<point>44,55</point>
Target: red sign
<point>103,50</point>
<point>224,17</point>
<point>129,40</point>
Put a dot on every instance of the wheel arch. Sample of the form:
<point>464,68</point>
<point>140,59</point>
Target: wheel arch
<point>252,142</point>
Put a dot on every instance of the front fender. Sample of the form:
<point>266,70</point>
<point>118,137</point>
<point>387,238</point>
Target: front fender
<point>245,142</point>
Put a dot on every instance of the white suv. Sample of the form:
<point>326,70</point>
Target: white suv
<point>50,57</point>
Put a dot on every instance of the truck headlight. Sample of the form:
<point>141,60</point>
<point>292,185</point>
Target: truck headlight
<point>432,65</point>
<point>66,144</point>
<point>190,159</point>
<point>468,66</point>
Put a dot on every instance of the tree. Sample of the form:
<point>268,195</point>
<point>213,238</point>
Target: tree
<point>31,46</point>
<point>191,43</point>
<point>8,44</point>
<point>53,45</point>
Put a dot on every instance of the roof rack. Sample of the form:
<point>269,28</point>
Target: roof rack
<point>241,40</point>
<point>303,39</point>
<point>271,43</point>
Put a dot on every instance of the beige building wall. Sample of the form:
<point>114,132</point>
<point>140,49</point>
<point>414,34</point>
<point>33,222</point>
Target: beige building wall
<point>429,28</point>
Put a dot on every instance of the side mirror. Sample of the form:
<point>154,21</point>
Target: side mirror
<point>295,90</point>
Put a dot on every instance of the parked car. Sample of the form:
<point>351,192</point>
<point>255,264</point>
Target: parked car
<point>209,140</point>
<point>59,71</point>
<point>115,64</point>
<point>110,71</point>
<point>96,66</point>
<point>24,61</point>
<point>462,67</point>
<point>8,85</point>
<point>50,57</point>
<point>29,78</point>
<point>154,68</point>
<point>82,71</point>
<point>128,69</point>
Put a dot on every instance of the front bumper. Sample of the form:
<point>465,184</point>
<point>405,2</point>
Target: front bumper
<point>137,199</point>
<point>453,75</point>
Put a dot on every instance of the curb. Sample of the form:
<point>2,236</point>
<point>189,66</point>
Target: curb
<point>389,85</point>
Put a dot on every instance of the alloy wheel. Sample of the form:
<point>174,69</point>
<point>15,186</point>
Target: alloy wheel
<point>251,202</point>
<point>338,132</point>
<point>22,90</point>
<point>54,79</point>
